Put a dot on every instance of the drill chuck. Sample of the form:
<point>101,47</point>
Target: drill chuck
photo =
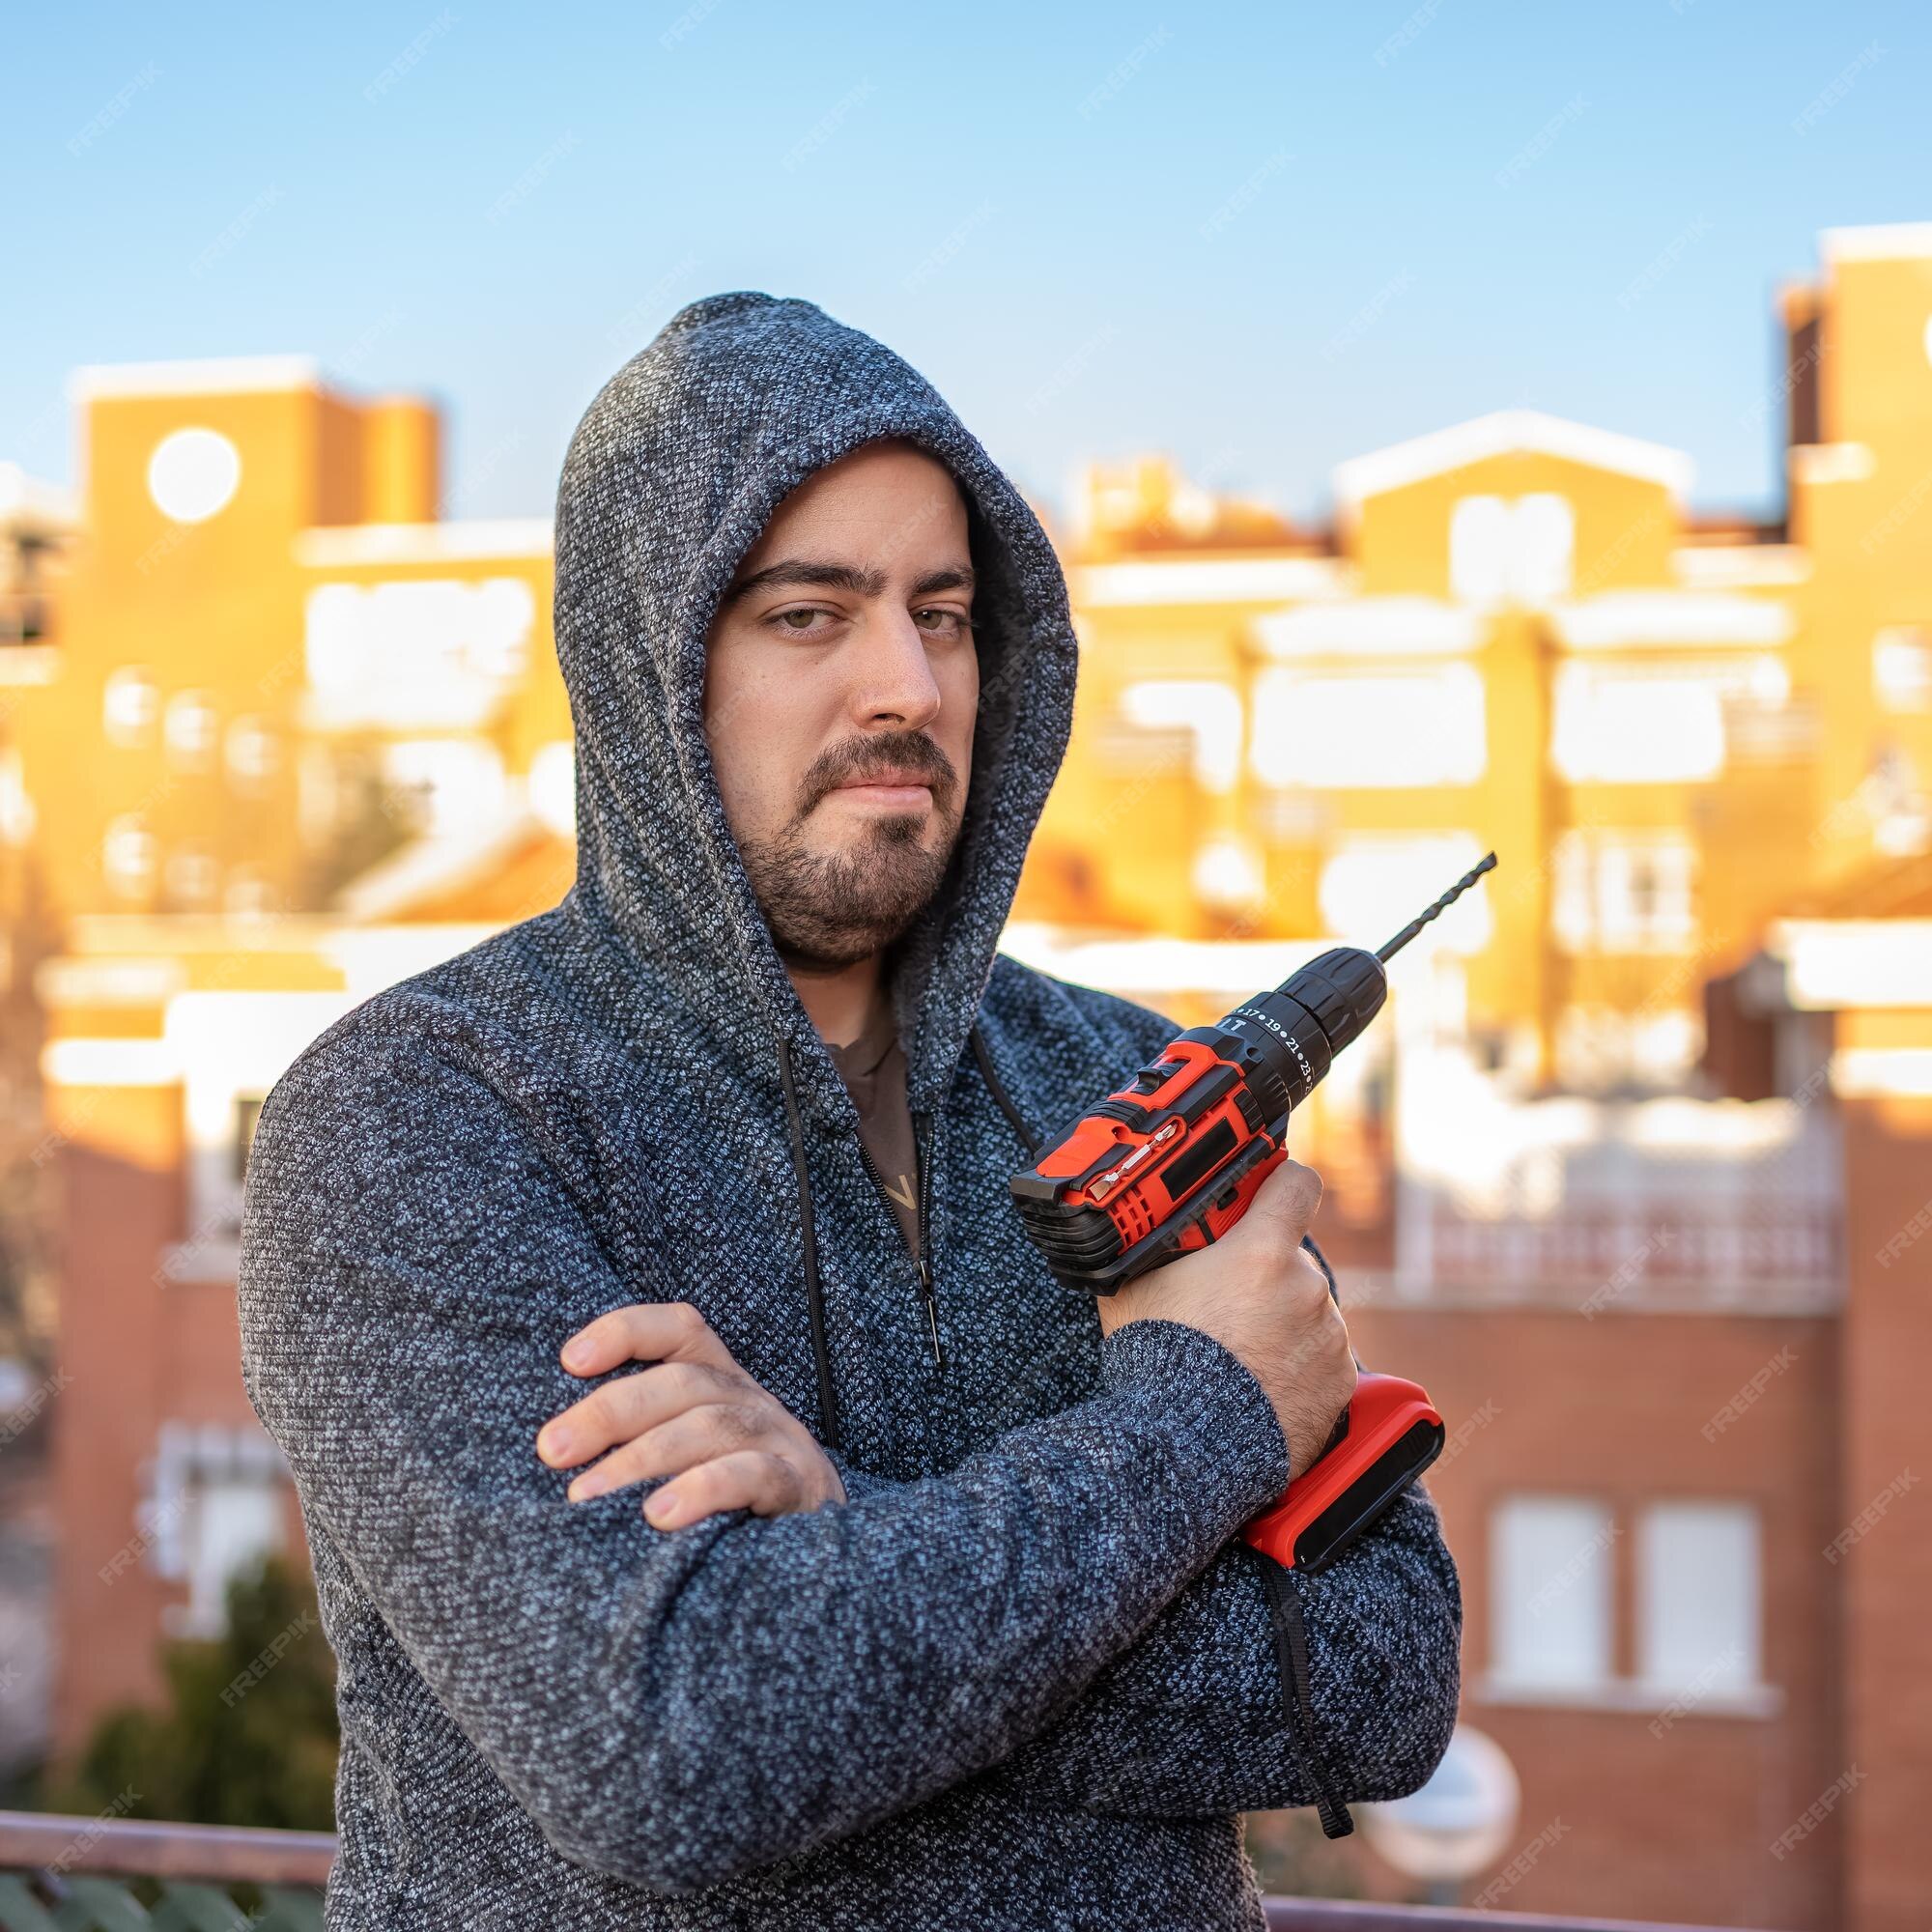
<point>1288,1038</point>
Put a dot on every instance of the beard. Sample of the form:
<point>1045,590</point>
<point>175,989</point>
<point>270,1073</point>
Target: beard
<point>829,910</point>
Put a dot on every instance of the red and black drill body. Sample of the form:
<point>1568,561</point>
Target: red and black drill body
<point>1170,1161</point>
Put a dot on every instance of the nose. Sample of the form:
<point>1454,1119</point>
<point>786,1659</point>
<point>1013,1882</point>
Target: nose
<point>892,680</point>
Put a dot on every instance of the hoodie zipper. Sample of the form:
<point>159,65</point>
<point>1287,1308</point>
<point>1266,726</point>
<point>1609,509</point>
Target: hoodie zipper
<point>923,1157</point>
<point>923,1142</point>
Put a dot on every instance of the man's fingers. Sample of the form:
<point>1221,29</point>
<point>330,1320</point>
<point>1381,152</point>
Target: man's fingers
<point>696,1435</point>
<point>1285,1203</point>
<point>630,1405</point>
<point>753,1479</point>
<point>646,1331</point>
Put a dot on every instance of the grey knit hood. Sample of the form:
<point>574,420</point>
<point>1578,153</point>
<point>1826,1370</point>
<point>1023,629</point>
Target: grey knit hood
<point>670,477</point>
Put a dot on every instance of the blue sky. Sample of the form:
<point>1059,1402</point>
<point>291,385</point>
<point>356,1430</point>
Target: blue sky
<point>1264,238</point>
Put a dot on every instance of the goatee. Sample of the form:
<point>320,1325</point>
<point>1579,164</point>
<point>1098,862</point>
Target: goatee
<point>828,910</point>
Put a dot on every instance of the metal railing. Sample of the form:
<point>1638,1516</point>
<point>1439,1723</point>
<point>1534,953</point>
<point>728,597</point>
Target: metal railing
<point>61,1874</point>
<point>1326,1915</point>
<point>121,1874</point>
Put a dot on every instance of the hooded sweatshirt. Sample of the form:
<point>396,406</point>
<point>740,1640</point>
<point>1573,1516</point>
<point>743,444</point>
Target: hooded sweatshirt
<point>1026,1674</point>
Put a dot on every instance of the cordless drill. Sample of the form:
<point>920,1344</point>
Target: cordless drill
<point>1169,1162</point>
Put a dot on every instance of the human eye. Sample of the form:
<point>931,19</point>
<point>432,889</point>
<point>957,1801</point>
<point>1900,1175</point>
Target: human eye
<point>956,624</point>
<point>781,621</point>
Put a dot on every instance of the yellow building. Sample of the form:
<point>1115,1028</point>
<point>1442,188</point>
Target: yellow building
<point>37,521</point>
<point>1518,637</point>
<point>274,681</point>
<point>276,666</point>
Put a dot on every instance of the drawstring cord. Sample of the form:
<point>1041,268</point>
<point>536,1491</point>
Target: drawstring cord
<point>1291,1642</point>
<point>815,1290</point>
<point>997,1087</point>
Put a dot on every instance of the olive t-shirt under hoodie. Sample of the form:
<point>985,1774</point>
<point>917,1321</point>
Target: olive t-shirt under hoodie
<point>875,1072</point>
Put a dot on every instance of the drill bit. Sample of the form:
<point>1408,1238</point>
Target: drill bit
<point>1454,892</point>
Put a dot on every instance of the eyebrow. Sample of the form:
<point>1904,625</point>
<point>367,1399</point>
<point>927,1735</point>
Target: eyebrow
<point>841,577</point>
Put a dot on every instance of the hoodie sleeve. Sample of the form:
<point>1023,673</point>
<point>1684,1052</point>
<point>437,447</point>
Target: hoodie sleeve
<point>678,1707</point>
<point>1191,1721</point>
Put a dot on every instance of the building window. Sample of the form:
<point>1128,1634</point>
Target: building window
<point>1522,547</point>
<point>250,893</point>
<point>1373,884</point>
<point>192,474</point>
<point>190,730</point>
<point>247,1111</point>
<point>1902,669</point>
<point>1229,875</point>
<point>215,1507</point>
<point>1623,892</point>
<point>1544,547</point>
<point>129,704</point>
<point>424,654</point>
<point>1379,729</point>
<point>1479,535</point>
<point>193,877</point>
<point>18,817</point>
<point>1614,728</point>
<point>445,784</point>
<point>232,1523</point>
<point>1550,1579</point>
<point>1698,1596</point>
<point>253,754</point>
<point>128,853</point>
<point>1601,1048</point>
<point>552,787</point>
<point>1209,712</point>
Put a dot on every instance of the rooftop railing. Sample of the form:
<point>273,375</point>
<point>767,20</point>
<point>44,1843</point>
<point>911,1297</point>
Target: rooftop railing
<point>61,1874</point>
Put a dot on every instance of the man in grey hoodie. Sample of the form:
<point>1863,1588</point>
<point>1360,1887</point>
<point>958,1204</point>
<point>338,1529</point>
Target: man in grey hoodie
<point>1018,1669</point>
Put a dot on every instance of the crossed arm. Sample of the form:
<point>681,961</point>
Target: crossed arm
<point>1064,1609</point>
<point>1189,1722</point>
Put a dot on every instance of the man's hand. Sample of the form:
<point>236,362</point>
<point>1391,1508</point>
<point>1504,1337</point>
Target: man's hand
<point>1262,1296</point>
<point>696,1415</point>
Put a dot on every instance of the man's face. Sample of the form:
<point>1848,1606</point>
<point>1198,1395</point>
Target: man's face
<point>840,688</point>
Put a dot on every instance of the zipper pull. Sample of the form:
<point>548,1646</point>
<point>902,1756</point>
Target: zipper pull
<point>931,1309</point>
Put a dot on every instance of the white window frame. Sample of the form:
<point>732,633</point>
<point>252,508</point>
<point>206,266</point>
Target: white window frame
<point>1676,1543</point>
<point>1594,906</point>
<point>1730,1684</point>
<point>1551,1558</point>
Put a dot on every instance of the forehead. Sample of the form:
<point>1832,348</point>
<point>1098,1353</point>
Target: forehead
<point>885,498</point>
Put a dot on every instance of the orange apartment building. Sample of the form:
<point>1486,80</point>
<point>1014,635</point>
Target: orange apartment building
<point>1636,1174</point>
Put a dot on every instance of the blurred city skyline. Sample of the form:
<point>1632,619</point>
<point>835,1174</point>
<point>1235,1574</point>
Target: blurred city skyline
<point>1367,225</point>
<point>1588,356</point>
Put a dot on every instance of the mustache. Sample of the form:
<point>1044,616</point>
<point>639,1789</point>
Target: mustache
<point>863,758</point>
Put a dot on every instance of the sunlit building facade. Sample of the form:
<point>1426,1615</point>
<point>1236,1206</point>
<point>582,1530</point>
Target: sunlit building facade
<point>277,665</point>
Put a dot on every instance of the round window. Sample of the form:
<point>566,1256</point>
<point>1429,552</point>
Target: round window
<point>192,474</point>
